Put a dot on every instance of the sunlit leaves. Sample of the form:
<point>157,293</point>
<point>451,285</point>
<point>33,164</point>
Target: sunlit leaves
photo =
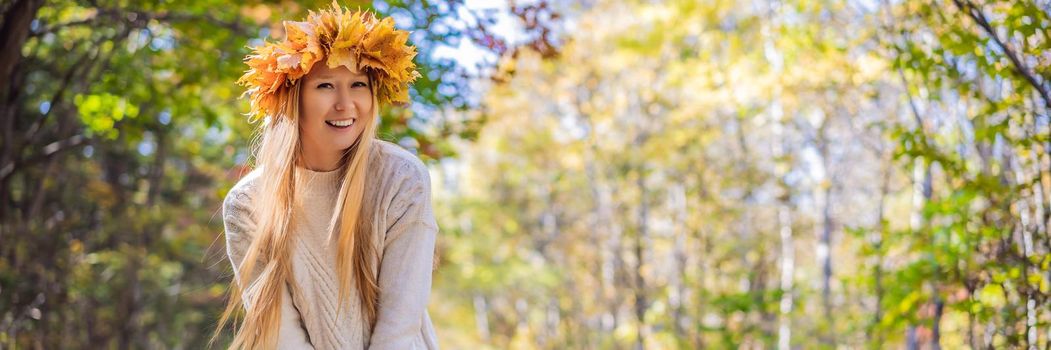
<point>100,112</point>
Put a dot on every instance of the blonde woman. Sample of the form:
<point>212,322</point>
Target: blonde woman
<point>332,235</point>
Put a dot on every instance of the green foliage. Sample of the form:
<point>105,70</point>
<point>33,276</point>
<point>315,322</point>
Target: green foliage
<point>100,113</point>
<point>979,236</point>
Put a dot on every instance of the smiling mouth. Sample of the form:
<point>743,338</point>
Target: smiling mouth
<point>340,124</point>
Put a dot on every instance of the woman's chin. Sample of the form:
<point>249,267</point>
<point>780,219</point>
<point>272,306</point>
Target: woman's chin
<point>343,144</point>
<point>342,147</point>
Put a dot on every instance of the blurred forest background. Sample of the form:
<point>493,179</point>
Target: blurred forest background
<point>608,174</point>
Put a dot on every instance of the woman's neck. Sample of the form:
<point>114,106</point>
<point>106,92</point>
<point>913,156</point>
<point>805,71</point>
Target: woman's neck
<point>321,161</point>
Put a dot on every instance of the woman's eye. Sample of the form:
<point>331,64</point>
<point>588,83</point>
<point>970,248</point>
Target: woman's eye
<point>324,85</point>
<point>358,83</point>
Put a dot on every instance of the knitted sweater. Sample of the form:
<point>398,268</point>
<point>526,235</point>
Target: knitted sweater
<point>406,233</point>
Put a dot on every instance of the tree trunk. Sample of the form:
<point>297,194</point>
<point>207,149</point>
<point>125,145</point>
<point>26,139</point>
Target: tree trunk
<point>824,247</point>
<point>641,297</point>
<point>877,239</point>
<point>781,170</point>
<point>15,28</point>
<point>678,279</point>
<point>481,317</point>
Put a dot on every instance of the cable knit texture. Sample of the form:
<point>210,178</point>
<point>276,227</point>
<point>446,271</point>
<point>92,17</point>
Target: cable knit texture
<point>405,236</point>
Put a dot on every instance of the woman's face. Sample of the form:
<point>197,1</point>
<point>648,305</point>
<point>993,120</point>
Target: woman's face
<point>335,104</point>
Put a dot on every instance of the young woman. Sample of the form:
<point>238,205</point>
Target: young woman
<point>332,235</point>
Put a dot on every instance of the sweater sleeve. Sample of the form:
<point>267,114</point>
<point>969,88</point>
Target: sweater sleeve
<point>405,267</point>
<point>239,224</point>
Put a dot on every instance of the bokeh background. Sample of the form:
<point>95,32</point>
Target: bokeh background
<point>608,174</point>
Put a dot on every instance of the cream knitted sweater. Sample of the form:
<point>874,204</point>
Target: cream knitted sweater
<point>406,238</point>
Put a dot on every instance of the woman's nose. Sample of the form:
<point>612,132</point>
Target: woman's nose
<point>343,102</point>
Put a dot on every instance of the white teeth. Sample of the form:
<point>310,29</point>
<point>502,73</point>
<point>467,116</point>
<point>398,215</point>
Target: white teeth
<point>341,123</point>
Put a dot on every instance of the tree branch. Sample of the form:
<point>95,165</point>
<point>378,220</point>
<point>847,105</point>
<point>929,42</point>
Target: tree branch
<point>49,151</point>
<point>33,132</point>
<point>978,16</point>
<point>140,19</point>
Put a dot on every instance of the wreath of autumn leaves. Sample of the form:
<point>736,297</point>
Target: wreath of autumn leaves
<point>338,37</point>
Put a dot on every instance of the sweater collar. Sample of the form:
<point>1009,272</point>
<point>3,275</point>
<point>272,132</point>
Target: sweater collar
<point>312,184</point>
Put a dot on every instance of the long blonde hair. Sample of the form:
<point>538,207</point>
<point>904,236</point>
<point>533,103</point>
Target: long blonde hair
<point>277,153</point>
